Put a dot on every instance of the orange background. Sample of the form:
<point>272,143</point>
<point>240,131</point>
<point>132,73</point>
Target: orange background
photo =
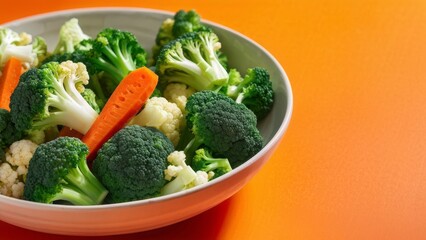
<point>352,164</point>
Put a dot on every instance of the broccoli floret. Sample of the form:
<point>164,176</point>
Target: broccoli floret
<point>8,131</point>
<point>51,96</point>
<point>182,23</point>
<point>131,164</point>
<point>58,171</point>
<point>164,36</point>
<point>227,128</point>
<point>185,22</point>
<point>191,59</point>
<point>91,99</point>
<point>70,35</point>
<point>204,161</point>
<point>117,53</point>
<point>254,90</point>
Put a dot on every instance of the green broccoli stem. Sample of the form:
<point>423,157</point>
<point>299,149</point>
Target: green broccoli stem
<point>83,186</point>
<point>211,69</point>
<point>109,68</point>
<point>216,163</point>
<point>190,149</point>
<point>124,58</point>
<point>73,196</point>
<point>237,92</point>
<point>121,65</point>
<point>96,87</point>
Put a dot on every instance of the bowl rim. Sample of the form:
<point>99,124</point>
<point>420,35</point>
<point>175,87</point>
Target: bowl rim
<point>274,140</point>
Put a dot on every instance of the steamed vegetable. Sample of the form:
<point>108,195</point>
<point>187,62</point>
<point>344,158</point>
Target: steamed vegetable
<point>191,59</point>
<point>182,22</point>
<point>227,128</point>
<point>131,164</point>
<point>8,81</point>
<point>254,90</point>
<point>51,96</point>
<point>58,171</point>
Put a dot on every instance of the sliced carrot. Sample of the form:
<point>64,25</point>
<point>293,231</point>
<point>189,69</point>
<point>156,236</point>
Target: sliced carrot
<point>9,80</point>
<point>69,132</point>
<point>124,103</point>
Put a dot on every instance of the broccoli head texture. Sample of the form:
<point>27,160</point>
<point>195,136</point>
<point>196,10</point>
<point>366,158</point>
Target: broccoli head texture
<point>58,171</point>
<point>8,132</point>
<point>185,22</point>
<point>131,164</point>
<point>227,128</point>
<point>255,91</point>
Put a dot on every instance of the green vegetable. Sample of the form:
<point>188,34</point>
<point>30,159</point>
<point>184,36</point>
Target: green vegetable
<point>186,22</point>
<point>58,171</point>
<point>191,59</point>
<point>8,132</point>
<point>227,128</point>
<point>117,53</point>
<point>204,161</point>
<point>50,96</point>
<point>91,99</point>
<point>182,23</point>
<point>254,90</point>
<point>131,164</point>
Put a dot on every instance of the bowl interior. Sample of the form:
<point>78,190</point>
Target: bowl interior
<point>242,52</point>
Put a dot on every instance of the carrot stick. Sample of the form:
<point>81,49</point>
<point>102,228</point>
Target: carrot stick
<point>8,81</point>
<point>125,102</point>
<point>66,131</point>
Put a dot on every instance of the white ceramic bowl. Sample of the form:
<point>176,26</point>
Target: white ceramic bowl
<point>156,212</point>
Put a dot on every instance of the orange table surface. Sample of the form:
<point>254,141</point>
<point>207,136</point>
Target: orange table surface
<point>353,162</point>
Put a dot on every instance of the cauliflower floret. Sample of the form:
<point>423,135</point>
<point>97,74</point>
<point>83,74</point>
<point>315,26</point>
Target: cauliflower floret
<point>19,155</point>
<point>178,93</point>
<point>202,177</point>
<point>13,171</point>
<point>8,177</point>
<point>177,158</point>
<point>180,175</point>
<point>163,115</point>
<point>18,190</point>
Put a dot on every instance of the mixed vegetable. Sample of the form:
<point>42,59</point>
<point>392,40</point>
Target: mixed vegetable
<point>101,120</point>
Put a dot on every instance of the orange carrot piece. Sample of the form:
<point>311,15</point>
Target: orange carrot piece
<point>9,80</point>
<point>66,131</point>
<point>124,103</point>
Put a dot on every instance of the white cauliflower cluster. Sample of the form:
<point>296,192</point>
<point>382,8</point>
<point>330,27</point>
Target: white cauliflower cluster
<point>163,115</point>
<point>14,170</point>
<point>180,175</point>
<point>178,93</point>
